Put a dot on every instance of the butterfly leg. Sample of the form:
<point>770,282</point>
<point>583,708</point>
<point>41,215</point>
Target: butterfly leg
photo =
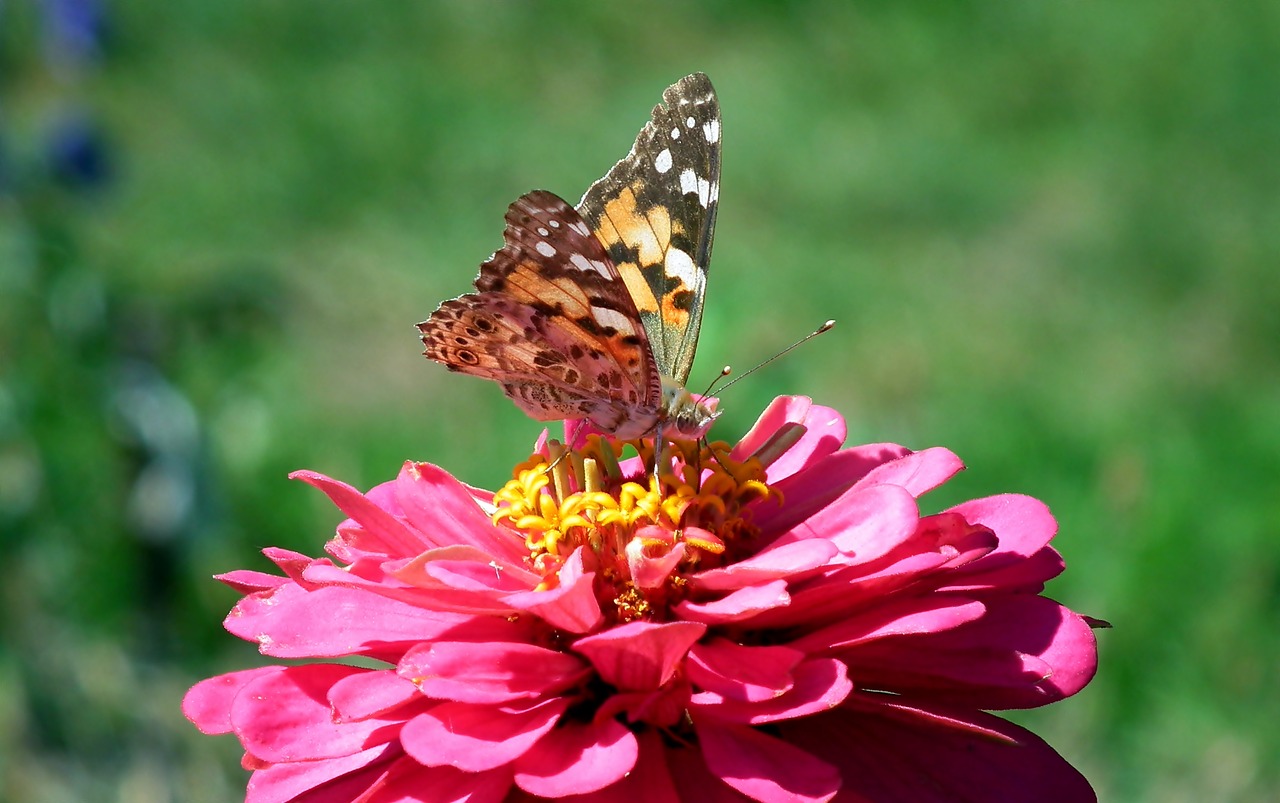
<point>572,444</point>
<point>705,443</point>
<point>659,447</point>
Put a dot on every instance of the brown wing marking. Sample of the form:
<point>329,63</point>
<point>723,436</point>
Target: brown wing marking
<point>552,322</point>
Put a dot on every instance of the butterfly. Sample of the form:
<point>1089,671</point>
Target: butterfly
<point>593,312</point>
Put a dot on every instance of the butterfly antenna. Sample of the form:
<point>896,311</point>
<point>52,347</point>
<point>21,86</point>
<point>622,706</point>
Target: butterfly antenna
<point>826,327</point>
<point>725,371</point>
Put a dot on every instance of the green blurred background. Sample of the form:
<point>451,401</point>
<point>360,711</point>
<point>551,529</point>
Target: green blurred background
<point>1050,233</point>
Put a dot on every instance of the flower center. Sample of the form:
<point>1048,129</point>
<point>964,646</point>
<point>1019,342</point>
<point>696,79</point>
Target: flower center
<point>642,534</point>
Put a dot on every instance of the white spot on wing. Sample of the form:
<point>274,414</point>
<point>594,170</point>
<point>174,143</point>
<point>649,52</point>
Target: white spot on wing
<point>611,317</point>
<point>663,163</point>
<point>680,266</point>
<point>545,249</point>
<point>711,129</point>
<point>555,224</point>
<point>688,181</point>
<point>691,182</point>
<point>543,232</point>
<point>580,228</point>
<point>583,264</point>
<point>675,132</point>
<point>690,122</point>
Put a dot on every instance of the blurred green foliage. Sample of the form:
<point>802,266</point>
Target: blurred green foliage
<point>1050,234</point>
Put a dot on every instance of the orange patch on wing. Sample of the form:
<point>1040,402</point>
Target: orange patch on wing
<point>527,285</point>
<point>639,289</point>
<point>648,232</point>
<point>672,316</point>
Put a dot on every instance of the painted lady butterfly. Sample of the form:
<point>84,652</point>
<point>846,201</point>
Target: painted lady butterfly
<point>594,313</point>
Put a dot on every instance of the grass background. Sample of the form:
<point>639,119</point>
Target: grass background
<point>1050,234</point>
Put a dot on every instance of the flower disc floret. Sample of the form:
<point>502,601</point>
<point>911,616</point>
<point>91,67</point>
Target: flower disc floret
<point>621,516</point>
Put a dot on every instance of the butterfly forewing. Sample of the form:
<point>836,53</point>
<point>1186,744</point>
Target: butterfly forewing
<point>655,211</point>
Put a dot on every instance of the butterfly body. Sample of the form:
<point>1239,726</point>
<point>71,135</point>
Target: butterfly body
<point>593,312</point>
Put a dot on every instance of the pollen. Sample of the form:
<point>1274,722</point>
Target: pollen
<point>642,533</point>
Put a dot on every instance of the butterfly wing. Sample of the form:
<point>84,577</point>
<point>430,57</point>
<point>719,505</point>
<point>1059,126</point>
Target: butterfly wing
<point>552,323</point>
<point>655,212</point>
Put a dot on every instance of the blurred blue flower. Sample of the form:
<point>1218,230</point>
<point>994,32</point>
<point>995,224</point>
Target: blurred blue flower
<point>75,30</point>
<point>77,153</point>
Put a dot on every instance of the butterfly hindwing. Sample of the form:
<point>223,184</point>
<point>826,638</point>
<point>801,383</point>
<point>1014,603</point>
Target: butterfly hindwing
<point>655,211</point>
<point>552,323</point>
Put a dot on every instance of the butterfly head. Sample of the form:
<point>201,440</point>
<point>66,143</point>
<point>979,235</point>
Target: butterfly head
<point>685,417</point>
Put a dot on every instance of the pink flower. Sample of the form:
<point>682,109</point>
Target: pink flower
<point>771,622</point>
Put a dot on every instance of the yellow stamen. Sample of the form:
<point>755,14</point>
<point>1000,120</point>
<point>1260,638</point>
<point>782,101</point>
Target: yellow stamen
<point>585,498</point>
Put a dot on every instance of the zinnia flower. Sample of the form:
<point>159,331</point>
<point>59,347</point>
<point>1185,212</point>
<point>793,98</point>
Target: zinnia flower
<point>772,621</point>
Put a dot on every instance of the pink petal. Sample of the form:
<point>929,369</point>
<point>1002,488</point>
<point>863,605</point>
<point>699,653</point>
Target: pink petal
<point>1023,559</point>
<point>293,623</point>
<point>924,713</point>
<point>918,472</point>
<point>868,523</point>
<point>782,410</point>
<point>1025,651</point>
<point>648,782</point>
<point>285,716</point>
<point>407,781</point>
<point>444,511</point>
<point>1009,573</point>
<point>824,433</point>
<point>494,672</point>
<point>208,703</point>
<point>370,694</point>
<point>639,655</point>
<point>465,568</point>
<point>384,496</point>
<point>572,606</point>
<point>1023,523</point>
<point>663,707</point>
<point>813,489</point>
<point>765,768</point>
<point>950,535</point>
<point>773,562</point>
<point>820,685</point>
<point>737,606</point>
<point>928,614</point>
<point>371,575</point>
<point>293,564</point>
<point>841,591</point>
<point>576,759</point>
<point>885,758</point>
<point>334,779</point>
<point>651,571</point>
<point>390,532</point>
<point>697,782</point>
<point>477,738</point>
<point>248,582</point>
<point>741,672</point>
